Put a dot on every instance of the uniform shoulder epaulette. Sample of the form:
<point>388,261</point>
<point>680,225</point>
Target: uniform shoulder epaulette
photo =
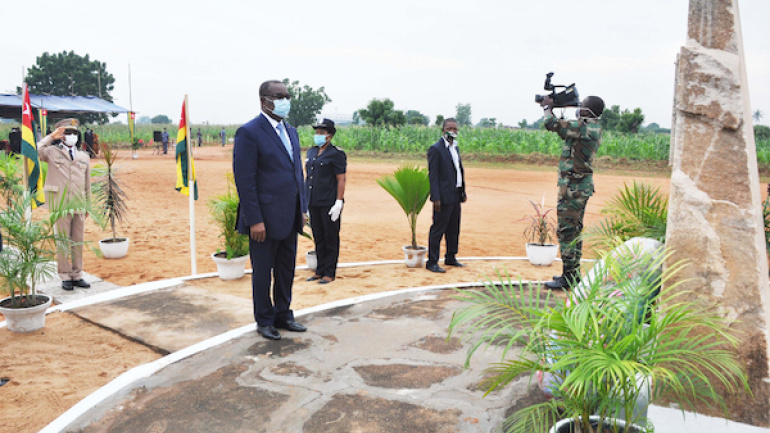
<point>338,148</point>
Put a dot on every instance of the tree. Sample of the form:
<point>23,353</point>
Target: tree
<point>631,121</point>
<point>356,118</point>
<point>440,120</point>
<point>381,113</point>
<point>523,124</point>
<point>610,118</point>
<point>414,117</point>
<point>306,103</point>
<point>68,74</point>
<point>463,115</point>
<point>160,118</point>
<point>144,120</point>
<point>757,115</point>
<point>761,132</point>
<point>487,122</point>
<point>652,127</point>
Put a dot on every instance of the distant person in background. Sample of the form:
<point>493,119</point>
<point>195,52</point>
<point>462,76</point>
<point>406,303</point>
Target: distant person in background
<point>164,140</point>
<point>223,136</point>
<point>89,139</point>
<point>200,137</point>
<point>15,138</point>
<point>69,172</point>
<point>325,169</point>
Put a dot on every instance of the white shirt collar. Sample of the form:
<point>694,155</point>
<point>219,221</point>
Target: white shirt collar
<point>447,143</point>
<point>272,121</point>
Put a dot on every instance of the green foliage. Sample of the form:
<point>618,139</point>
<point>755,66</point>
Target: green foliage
<point>10,174</point>
<point>620,326</point>
<point>414,117</point>
<point>610,118</point>
<point>463,115</point>
<point>410,186</point>
<point>306,103</point>
<point>224,211</point>
<point>381,113</point>
<point>523,124</point>
<point>439,120</point>
<point>356,118</point>
<point>108,193</point>
<point>630,121</point>
<point>757,115</point>
<point>766,218</point>
<point>637,210</point>
<point>761,132</point>
<point>68,74</point>
<point>160,119</point>
<point>487,122</point>
<point>542,228</point>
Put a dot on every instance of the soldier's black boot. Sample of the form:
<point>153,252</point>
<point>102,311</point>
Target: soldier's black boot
<point>570,279</point>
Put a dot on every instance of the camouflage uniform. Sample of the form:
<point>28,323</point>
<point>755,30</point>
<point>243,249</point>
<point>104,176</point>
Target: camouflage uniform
<point>576,184</point>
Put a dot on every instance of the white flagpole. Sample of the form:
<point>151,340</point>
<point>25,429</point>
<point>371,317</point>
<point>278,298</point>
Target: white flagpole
<point>190,186</point>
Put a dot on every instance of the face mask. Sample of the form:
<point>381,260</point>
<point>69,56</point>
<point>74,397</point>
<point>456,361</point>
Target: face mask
<point>70,140</point>
<point>281,107</point>
<point>319,139</point>
<point>452,135</point>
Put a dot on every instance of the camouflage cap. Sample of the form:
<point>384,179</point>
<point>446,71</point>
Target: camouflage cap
<point>68,124</point>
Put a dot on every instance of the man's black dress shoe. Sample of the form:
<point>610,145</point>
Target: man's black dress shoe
<point>67,285</point>
<point>291,325</point>
<point>314,278</point>
<point>269,332</point>
<point>454,263</point>
<point>81,283</point>
<point>435,268</point>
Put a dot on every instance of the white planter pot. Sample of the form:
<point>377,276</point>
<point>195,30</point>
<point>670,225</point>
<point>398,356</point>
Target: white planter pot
<point>312,260</point>
<point>134,156</point>
<point>114,250</point>
<point>542,255</point>
<point>414,258</point>
<point>230,269</point>
<point>564,426</point>
<point>26,319</point>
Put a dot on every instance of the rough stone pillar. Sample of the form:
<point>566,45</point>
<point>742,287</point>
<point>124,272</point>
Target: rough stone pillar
<point>715,211</point>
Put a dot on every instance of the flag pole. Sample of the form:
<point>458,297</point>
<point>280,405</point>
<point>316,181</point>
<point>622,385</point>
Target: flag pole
<point>190,185</point>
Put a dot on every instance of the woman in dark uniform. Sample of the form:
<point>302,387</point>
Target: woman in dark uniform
<point>325,181</point>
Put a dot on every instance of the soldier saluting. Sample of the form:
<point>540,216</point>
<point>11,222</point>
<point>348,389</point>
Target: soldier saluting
<point>69,172</point>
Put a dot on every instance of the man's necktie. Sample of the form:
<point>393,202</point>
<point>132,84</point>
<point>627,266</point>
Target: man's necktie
<point>72,154</point>
<point>285,139</point>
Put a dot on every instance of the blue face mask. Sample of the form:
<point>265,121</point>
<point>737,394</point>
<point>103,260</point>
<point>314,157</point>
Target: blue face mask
<point>281,107</point>
<point>319,139</point>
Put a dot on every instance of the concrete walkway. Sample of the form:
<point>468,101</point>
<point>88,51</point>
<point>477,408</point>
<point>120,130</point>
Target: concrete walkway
<point>372,364</point>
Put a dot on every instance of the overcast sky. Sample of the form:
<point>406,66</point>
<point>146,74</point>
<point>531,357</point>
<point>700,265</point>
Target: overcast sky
<point>424,55</point>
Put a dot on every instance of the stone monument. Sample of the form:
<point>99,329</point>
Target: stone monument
<point>715,219</point>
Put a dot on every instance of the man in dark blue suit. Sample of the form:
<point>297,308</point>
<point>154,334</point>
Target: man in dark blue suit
<point>268,175</point>
<point>447,192</point>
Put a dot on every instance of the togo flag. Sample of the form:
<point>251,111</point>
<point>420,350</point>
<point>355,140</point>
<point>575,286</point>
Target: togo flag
<point>182,156</point>
<point>29,152</point>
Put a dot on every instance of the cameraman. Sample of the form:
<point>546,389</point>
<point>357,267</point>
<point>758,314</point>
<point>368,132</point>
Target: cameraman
<point>576,184</point>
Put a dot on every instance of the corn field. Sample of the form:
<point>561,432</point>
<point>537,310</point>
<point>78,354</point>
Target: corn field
<point>417,139</point>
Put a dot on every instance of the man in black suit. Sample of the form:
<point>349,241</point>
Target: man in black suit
<point>447,192</point>
<point>268,175</point>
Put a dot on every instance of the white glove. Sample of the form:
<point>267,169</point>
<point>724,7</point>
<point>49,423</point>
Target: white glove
<point>336,210</point>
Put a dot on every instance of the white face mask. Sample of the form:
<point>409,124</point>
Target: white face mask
<point>70,140</point>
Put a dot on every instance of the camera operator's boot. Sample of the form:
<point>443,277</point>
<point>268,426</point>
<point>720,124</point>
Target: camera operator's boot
<point>569,279</point>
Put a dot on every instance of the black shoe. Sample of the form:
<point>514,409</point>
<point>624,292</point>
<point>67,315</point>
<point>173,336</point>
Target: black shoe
<point>434,267</point>
<point>454,263</point>
<point>291,325</point>
<point>81,283</point>
<point>314,278</point>
<point>325,281</point>
<point>269,332</point>
<point>559,283</point>
<point>67,285</point>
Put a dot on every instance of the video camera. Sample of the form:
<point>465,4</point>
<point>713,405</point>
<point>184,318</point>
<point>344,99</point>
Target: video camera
<point>566,98</point>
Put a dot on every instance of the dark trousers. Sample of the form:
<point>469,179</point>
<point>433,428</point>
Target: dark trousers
<point>446,224</point>
<point>326,235</point>
<point>272,259</point>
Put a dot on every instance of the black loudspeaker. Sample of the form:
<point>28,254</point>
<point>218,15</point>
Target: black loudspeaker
<point>157,136</point>
<point>15,138</point>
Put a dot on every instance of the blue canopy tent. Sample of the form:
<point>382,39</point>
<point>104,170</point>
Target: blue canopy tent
<point>57,106</point>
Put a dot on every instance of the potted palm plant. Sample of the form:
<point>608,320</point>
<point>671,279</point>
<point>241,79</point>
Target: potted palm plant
<point>310,257</point>
<point>31,247</point>
<point>230,260</point>
<point>620,343</point>
<point>110,196</point>
<point>410,186</point>
<point>540,233</point>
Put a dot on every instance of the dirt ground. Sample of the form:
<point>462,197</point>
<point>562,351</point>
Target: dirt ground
<point>52,369</point>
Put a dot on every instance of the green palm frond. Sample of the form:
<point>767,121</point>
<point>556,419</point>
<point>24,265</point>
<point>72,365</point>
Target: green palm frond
<point>224,212</point>
<point>108,193</point>
<point>410,186</point>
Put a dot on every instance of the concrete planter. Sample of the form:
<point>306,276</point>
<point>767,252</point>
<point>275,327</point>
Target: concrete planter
<point>541,255</point>
<point>312,260</point>
<point>566,426</point>
<point>26,319</point>
<point>415,258</point>
<point>114,250</point>
<point>231,269</point>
